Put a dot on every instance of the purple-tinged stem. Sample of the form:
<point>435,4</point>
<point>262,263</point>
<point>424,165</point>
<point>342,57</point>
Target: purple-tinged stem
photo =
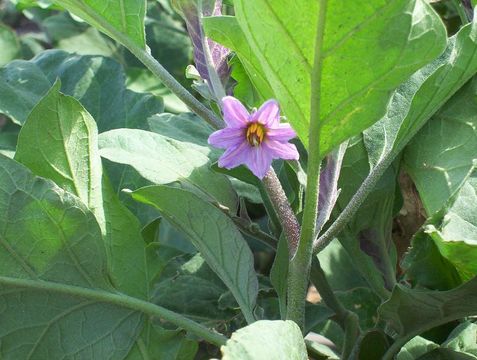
<point>282,207</point>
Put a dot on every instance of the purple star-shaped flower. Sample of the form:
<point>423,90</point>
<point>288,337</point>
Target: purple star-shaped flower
<point>255,139</point>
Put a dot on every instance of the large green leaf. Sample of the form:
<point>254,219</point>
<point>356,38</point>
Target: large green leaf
<point>367,52</point>
<point>409,312</point>
<point>59,141</point>
<point>213,234</point>
<point>442,155</point>
<point>454,230</point>
<point>416,100</point>
<point>97,82</point>
<point>121,20</point>
<point>278,340</point>
<point>163,160</point>
<point>226,31</point>
<point>50,238</point>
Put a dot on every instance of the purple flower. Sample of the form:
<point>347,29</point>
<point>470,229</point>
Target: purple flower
<point>253,139</point>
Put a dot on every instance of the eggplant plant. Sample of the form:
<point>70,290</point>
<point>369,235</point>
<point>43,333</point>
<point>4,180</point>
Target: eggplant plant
<point>266,179</point>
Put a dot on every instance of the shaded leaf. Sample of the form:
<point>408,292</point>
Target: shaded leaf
<point>97,82</point>
<point>213,234</point>
<point>192,289</point>
<point>442,155</point>
<point>37,322</point>
<point>410,312</point>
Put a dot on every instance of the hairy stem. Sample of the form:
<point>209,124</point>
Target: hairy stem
<point>356,201</point>
<point>283,210</point>
<point>169,81</point>
<point>299,269</point>
<point>254,231</point>
<point>119,300</point>
<point>352,331</point>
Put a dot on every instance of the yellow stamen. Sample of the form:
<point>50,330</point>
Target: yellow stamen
<point>255,134</point>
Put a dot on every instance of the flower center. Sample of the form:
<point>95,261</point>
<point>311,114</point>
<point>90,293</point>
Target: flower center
<point>255,134</point>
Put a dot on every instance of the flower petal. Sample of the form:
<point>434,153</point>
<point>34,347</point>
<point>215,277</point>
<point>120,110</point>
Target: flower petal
<point>259,161</point>
<point>228,137</point>
<point>282,133</point>
<point>235,156</point>
<point>279,150</point>
<point>268,114</point>
<point>235,114</point>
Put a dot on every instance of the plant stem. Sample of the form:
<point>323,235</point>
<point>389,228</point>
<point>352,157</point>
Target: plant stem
<point>299,270</point>
<point>121,300</point>
<point>270,208</point>
<point>352,331</point>
<point>256,233</point>
<point>356,201</point>
<point>283,210</point>
<point>214,79</point>
<point>168,80</point>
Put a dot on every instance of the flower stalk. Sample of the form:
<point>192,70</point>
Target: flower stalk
<point>282,208</point>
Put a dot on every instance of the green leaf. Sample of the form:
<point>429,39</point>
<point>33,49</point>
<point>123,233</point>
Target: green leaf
<point>97,82</point>
<point>77,37</point>
<point>163,160</point>
<point>9,44</point>
<point>368,51</point>
<point>442,155</point>
<point>424,265</point>
<point>367,237</point>
<point>59,142</point>
<point>410,312</point>
<point>266,340</point>
<point>416,100</point>
<point>121,20</point>
<point>415,348</point>
<point>192,289</point>
<point>446,354</point>
<point>337,265</point>
<point>463,338</point>
<point>213,234</point>
<point>454,230</point>
<point>168,41</point>
<point>186,127</point>
<point>157,343</point>
<point>372,346</point>
<point>67,253</point>
<point>226,31</point>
